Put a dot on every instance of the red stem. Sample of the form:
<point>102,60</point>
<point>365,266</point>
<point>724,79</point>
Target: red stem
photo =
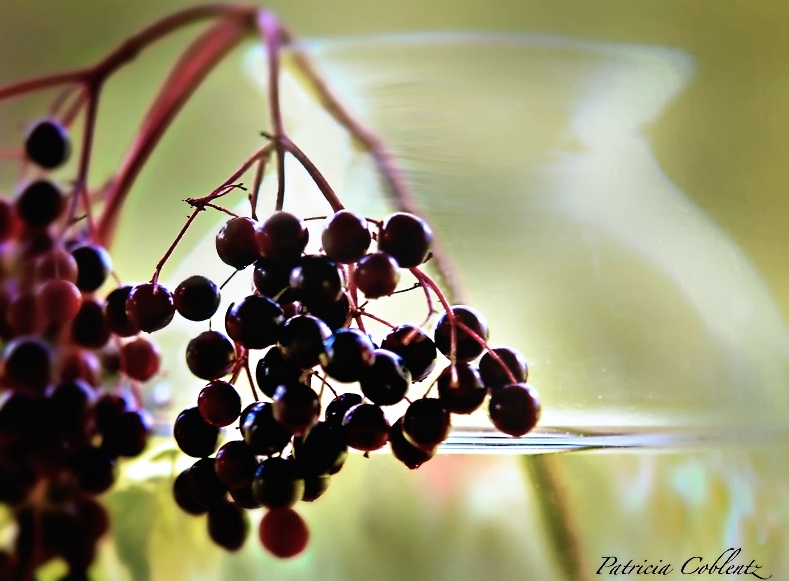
<point>315,174</point>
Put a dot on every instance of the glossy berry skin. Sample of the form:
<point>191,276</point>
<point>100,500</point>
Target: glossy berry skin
<point>235,464</point>
<point>376,275</point>
<point>346,237</point>
<point>335,411</point>
<point>271,277</point>
<point>387,380</point>
<point>210,355</point>
<point>316,281</point>
<point>228,525</point>
<point>39,203</point>
<point>335,315</point>
<point>415,347</point>
<point>410,455</point>
<point>93,266</point>
<point>301,340</point>
<point>47,144</point>
<point>460,388</point>
<point>407,238</point>
<point>140,359</point>
<point>468,348</point>
<point>254,322</point>
<point>349,354</point>
<point>296,407</point>
<point>277,484</point>
<point>194,436</point>
<point>204,485</point>
<point>150,307</point>
<point>322,450</point>
<point>219,403</point>
<point>283,533</point>
<point>272,371</point>
<point>196,298</point>
<point>115,313</point>
<point>426,423</point>
<point>494,376</point>
<point>366,427</point>
<point>183,498</point>
<point>514,409</point>
<point>236,243</point>
<point>282,237</point>
<point>262,433</point>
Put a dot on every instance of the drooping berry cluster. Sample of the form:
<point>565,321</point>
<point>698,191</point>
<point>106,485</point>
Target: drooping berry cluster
<point>306,318</point>
<point>62,428</point>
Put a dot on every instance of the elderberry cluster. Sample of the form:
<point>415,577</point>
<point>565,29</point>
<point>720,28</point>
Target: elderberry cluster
<point>306,313</point>
<point>62,431</point>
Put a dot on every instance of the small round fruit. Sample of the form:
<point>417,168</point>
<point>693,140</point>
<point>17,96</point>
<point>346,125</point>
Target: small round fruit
<point>412,456</point>
<point>140,359</point>
<point>210,355</point>
<point>219,403</point>
<point>196,298</point>
<point>254,322</point>
<point>150,306</point>
<point>301,340</point>
<point>282,237</point>
<point>415,347</point>
<point>39,203</point>
<point>283,533</point>
<point>296,407</point>
<point>495,376</point>
<point>58,301</point>
<point>346,237</point>
<point>366,427</point>
<point>514,409</point>
<point>236,242</point>
<point>194,436</point>
<point>93,266</point>
<point>407,238</point>
<point>468,348</point>
<point>235,464</point>
<point>115,313</point>
<point>228,525</point>
<point>377,275</point>
<point>349,354</point>
<point>387,380</point>
<point>460,388</point>
<point>47,144</point>
<point>272,371</point>
<point>426,423</point>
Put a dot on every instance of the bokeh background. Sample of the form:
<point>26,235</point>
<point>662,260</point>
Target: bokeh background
<point>610,180</point>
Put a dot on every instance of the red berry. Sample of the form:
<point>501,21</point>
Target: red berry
<point>139,359</point>
<point>377,275</point>
<point>59,301</point>
<point>150,306</point>
<point>283,532</point>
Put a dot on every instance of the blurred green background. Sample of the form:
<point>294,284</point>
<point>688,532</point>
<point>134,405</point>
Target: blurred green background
<point>669,304</point>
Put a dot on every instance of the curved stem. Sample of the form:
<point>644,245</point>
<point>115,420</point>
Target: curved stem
<point>315,174</point>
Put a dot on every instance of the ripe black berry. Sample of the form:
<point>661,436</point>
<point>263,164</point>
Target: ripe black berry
<point>204,485</point>
<point>210,355</point>
<point>262,433</point>
<point>301,340</point>
<point>415,347</point>
<point>277,484</point>
<point>254,322</point>
<point>349,355</point>
<point>28,364</point>
<point>296,407</point>
<point>150,306</point>
<point>194,436</point>
<point>468,348</point>
<point>410,455</point>
<point>39,203</point>
<point>495,376</point>
<point>272,371</point>
<point>335,411</point>
<point>236,242</point>
<point>183,497</point>
<point>235,464</point>
<point>196,298</point>
<point>89,328</point>
<point>115,313</point>
<point>346,237</point>
<point>228,525</point>
<point>377,275</point>
<point>514,409</point>
<point>47,144</point>
<point>366,427</point>
<point>271,277</point>
<point>460,388</point>
<point>387,380</point>
<point>219,403</point>
<point>282,237</point>
<point>93,266</point>
<point>322,450</point>
<point>335,315</point>
<point>407,238</point>
<point>426,423</point>
<point>316,281</point>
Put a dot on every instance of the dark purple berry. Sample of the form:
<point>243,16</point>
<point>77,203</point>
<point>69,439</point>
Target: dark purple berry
<point>39,203</point>
<point>410,455</point>
<point>272,371</point>
<point>150,306</point>
<point>316,281</point>
<point>196,298</point>
<point>349,354</point>
<point>495,376</point>
<point>277,483</point>
<point>271,278</point>
<point>415,347</point>
<point>235,464</point>
<point>315,486</point>
<point>118,321</point>
<point>194,436</point>
<point>93,266</point>
<point>366,427</point>
<point>128,435</point>
<point>514,409</point>
<point>228,525</point>
<point>262,433</point>
<point>47,144</point>
<point>296,407</point>
<point>89,328</point>
<point>210,355</point>
<point>335,315</point>
<point>282,237</point>
<point>301,340</point>
<point>387,381</point>
<point>322,450</point>
<point>27,364</point>
<point>407,238</point>
<point>236,243</point>
<point>346,237</point>
<point>183,498</point>
<point>426,423</point>
<point>204,485</point>
<point>335,411</point>
<point>254,322</point>
<point>468,348</point>
<point>376,275</point>
<point>219,403</point>
<point>460,388</point>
